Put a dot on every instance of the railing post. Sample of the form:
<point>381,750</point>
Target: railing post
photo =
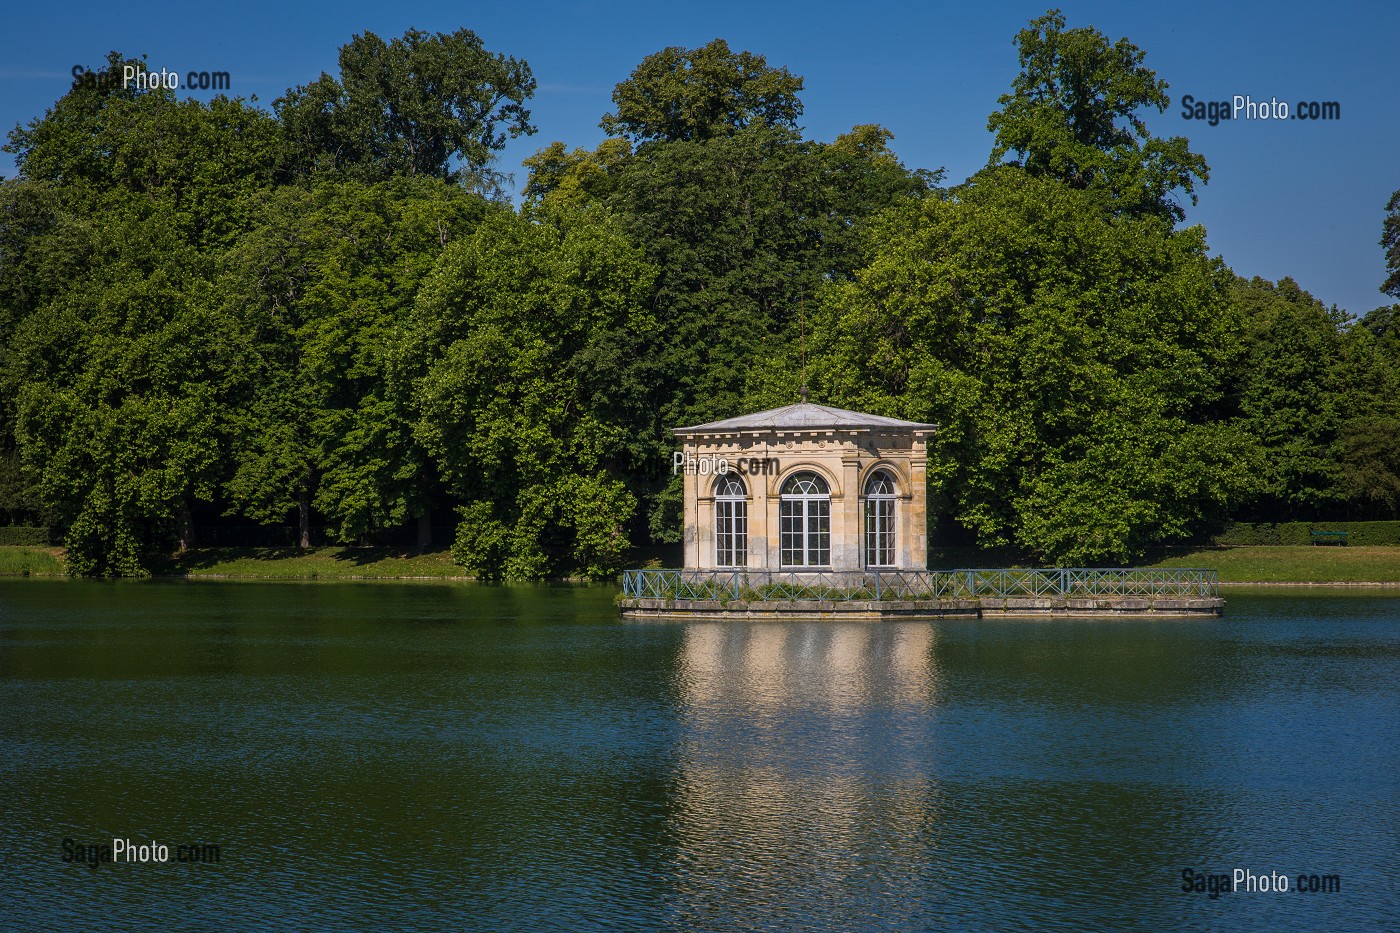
<point>877,586</point>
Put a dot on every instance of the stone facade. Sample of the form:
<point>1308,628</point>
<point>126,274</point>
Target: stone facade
<point>769,453</point>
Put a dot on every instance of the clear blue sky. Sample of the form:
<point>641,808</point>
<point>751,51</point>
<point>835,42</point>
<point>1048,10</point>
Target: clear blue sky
<point>1289,198</point>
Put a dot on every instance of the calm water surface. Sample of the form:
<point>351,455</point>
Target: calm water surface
<point>379,756</point>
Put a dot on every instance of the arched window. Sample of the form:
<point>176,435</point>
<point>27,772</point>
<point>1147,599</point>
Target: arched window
<point>805,521</point>
<point>879,520</point>
<point>731,522</point>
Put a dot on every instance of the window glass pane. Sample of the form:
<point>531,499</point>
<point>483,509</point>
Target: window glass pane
<point>730,487</point>
<point>731,533</point>
<point>879,520</point>
<point>805,522</point>
<point>805,484</point>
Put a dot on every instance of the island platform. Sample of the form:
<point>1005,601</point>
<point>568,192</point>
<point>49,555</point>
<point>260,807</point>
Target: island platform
<point>926,594</point>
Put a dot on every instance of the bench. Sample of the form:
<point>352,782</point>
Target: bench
<point>1329,537</point>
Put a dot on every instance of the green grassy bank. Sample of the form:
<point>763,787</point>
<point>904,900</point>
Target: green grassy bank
<point>323,563</point>
<point>1292,564</point>
<point>1263,564</point>
<point>26,561</point>
<point>1271,564</point>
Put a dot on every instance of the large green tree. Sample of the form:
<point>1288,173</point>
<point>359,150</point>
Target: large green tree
<point>1293,395</point>
<point>697,94</point>
<point>118,386</point>
<point>321,282</point>
<point>198,160</point>
<point>1074,114</point>
<point>1073,359</point>
<point>439,105</point>
<point>116,362</point>
<point>526,341</point>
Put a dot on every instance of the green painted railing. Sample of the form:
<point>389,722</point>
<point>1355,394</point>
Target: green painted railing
<point>844,586</point>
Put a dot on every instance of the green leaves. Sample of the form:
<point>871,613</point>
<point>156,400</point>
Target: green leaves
<point>408,107</point>
<point>1072,115</point>
<point>322,283</point>
<point>1390,242</point>
<point>525,341</point>
<point>697,94</point>
<point>1072,359</point>
<point>118,415</point>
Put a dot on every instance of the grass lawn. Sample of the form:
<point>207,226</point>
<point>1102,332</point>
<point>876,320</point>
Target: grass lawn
<point>1297,564</point>
<point>323,563</point>
<point>1301,564</point>
<point>26,561</point>
<point>1292,564</point>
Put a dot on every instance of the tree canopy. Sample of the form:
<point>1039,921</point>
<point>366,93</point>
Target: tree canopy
<point>698,94</point>
<point>408,107</point>
<point>1390,242</point>
<point>1075,362</point>
<point>1073,115</point>
<point>220,324</point>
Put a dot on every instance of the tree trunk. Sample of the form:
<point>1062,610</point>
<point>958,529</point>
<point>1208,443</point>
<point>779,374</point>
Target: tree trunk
<point>187,539</point>
<point>425,529</point>
<point>303,522</point>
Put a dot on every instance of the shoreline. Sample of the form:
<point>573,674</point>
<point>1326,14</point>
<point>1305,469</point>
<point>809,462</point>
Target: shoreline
<point>1360,569</point>
<point>421,578</point>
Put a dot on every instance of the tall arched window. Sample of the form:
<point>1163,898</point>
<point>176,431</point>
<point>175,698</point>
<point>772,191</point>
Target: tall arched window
<point>731,523</point>
<point>805,519</point>
<point>879,520</point>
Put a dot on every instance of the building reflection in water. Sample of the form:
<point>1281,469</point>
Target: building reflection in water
<point>805,749</point>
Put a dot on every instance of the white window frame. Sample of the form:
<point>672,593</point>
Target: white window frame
<point>731,523</point>
<point>804,521</point>
<point>878,543</point>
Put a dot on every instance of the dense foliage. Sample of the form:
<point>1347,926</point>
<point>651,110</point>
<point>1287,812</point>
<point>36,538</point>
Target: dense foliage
<point>326,321</point>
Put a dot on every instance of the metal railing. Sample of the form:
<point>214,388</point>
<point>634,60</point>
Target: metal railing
<point>848,585</point>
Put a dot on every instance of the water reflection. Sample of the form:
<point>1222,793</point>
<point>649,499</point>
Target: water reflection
<point>397,757</point>
<point>764,668</point>
<point>802,789</point>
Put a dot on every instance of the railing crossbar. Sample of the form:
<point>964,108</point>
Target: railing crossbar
<point>973,583</point>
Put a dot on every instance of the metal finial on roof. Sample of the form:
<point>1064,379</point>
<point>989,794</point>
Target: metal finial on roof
<point>803,392</point>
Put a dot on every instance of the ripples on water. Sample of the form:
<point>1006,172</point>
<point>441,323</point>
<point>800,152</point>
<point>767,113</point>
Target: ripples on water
<point>377,756</point>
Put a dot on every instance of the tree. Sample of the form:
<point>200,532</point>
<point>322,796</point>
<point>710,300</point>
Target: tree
<point>577,178</point>
<point>1390,240</point>
<point>1293,393</point>
<point>1370,463</point>
<point>322,281</point>
<point>1072,115</point>
<point>526,341</point>
<point>698,94</point>
<point>408,107</point>
<point>199,160</point>
<point>1072,359</point>
<point>117,362</point>
<point>117,386</point>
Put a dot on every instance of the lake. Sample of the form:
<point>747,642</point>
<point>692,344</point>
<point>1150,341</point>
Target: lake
<point>426,756</point>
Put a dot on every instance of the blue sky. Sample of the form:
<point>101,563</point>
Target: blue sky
<point>1286,198</point>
